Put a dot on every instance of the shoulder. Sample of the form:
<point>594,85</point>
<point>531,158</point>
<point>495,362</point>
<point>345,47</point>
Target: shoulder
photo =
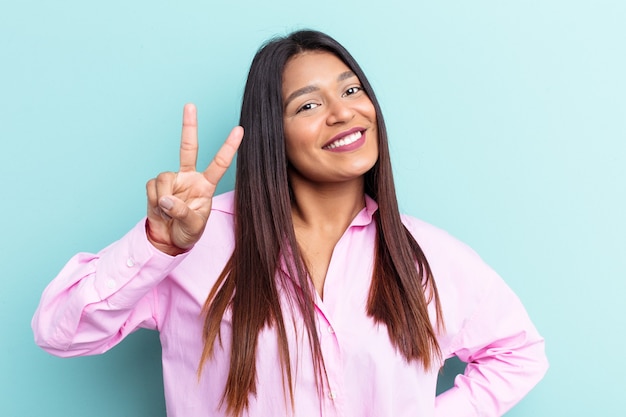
<point>220,226</point>
<point>224,203</point>
<point>465,282</point>
<point>438,245</point>
<point>449,257</point>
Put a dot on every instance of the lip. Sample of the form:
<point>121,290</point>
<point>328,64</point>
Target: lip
<point>351,146</point>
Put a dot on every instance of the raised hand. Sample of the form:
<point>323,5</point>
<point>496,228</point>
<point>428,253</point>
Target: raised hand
<point>179,203</point>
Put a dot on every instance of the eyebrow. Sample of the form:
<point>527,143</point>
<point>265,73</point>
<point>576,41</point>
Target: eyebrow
<point>310,88</point>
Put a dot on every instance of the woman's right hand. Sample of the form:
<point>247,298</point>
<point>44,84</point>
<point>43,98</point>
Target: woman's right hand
<point>179,203</point>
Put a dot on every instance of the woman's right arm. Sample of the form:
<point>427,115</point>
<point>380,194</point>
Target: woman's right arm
<point>96,300</point>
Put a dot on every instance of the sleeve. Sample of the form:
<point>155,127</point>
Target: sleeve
<point>503,350</point>
<point>98,299</point>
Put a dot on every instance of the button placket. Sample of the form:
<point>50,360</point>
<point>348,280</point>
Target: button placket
<point>332,358</point>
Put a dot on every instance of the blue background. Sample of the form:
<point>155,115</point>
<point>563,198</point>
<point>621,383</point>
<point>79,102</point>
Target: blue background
<point>507,123</point>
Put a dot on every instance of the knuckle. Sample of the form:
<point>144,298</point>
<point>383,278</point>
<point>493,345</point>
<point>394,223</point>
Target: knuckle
<point>188,145</point>
<point>164,178</point>
<point>151,191</point>
<point>220,161</point>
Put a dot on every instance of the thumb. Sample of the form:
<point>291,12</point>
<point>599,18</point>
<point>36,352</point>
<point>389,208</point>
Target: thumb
<point>186,226</point>
<point>174,208</point>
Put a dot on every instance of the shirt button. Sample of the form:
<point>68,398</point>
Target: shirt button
<point>130,262</point>
<point>332,395</point>
<point>331,330</point>
<point>110,284</point>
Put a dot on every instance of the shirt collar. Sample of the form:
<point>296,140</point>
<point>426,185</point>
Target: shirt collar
<point>365,216</point>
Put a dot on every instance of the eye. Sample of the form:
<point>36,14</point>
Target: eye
<point>352,90</point>
<point>307,106</point>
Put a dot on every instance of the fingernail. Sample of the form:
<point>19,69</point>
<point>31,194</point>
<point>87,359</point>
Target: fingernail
<point>166,203</point>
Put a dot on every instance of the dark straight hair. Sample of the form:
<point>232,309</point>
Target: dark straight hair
<point>252,281</point>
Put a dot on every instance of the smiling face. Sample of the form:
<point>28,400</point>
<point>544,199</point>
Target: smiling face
<point>329,121</point>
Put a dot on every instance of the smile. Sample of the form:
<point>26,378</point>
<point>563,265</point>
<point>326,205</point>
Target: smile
<point>354,138</point>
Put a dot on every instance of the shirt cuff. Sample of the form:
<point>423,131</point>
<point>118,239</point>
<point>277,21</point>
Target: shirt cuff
<point>131,267</point>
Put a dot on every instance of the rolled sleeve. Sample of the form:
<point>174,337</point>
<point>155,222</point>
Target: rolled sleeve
<point>97,299</point>
<point>486,326</point>
<point>504,353</point>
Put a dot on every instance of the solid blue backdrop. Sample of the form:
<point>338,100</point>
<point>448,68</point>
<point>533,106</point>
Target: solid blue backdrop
<point>507,123</point>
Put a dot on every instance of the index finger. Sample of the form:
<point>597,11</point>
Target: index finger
<point>224,156</point>
<point>189,139</point>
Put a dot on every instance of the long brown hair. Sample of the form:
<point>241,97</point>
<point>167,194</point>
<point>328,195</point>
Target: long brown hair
<point>402,283</point>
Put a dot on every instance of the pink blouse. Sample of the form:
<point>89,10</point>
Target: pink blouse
<point>98,299</point>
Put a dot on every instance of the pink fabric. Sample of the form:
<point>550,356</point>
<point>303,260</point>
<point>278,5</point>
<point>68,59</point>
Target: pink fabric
<point>97,300</point>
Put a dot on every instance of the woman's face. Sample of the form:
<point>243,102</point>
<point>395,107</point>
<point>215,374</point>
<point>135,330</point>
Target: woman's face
<point>329,121</point>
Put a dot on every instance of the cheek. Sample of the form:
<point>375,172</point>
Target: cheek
<point>366,108</point>
<point>293,143</point>
<point>370,111</point>
<point>289,137</point>
<point>300,133</point>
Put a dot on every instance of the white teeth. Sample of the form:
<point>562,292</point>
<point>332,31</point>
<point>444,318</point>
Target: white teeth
<point>346,140</point>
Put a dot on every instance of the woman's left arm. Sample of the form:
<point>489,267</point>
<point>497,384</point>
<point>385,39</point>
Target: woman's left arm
<point>504,353</point>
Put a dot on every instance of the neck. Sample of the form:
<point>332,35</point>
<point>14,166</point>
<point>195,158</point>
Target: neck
<point>326,206</point>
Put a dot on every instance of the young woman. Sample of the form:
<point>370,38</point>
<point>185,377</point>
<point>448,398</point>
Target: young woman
<point>304,292</point>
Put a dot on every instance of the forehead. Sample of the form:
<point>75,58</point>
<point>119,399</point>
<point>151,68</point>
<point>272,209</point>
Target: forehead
<point>312,68</point>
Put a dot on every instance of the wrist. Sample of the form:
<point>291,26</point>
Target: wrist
<point>161,246</point>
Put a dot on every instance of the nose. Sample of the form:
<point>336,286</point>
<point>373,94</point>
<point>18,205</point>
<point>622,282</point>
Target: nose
<point>339,112</point>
